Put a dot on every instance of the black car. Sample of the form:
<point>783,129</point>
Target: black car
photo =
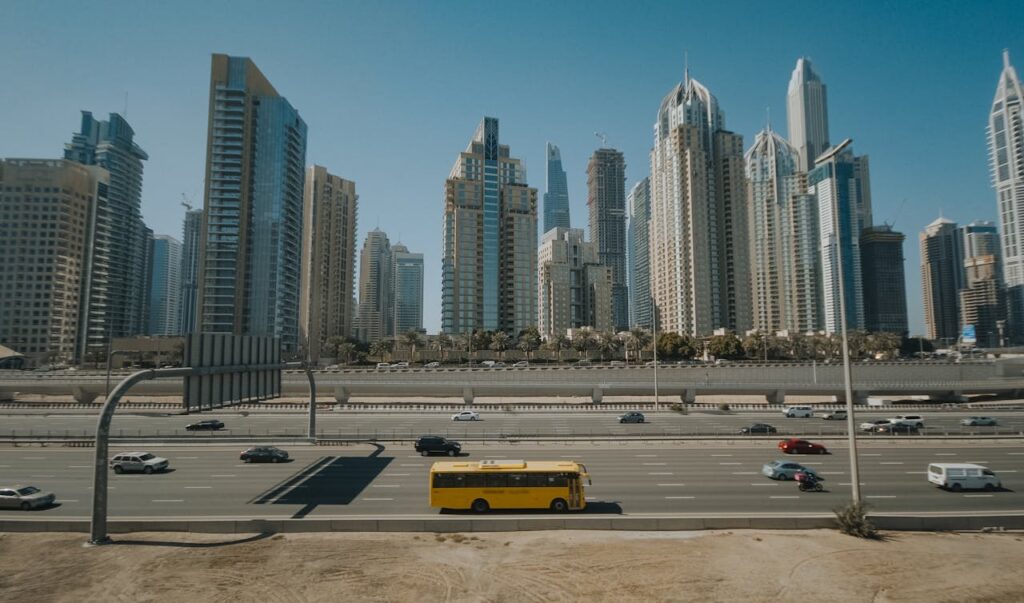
<point>894,428</point>
<point>632,417</point>
<point>209,425</point>
<point>263,454</point>
<point>428,444</point>
<point>758,428</point>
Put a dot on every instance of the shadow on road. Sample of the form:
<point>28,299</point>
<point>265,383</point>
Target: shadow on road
<point>329,480</point>
<point>193,545</point>
<point>593,508</point>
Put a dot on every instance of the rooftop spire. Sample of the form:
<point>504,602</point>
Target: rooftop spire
<point>768,118</point>
<point>1006,57</point>
<point>686,67</point>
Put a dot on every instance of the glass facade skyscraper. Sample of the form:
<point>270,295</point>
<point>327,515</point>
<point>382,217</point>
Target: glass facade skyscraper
<point>885,293</point>
<point>252,231</point>
<point>164,286</point>
<point>641,309</point>
<point>191,231</point>
<point>556,198</point>
<point>606,201</point>
<point>407,295</point>
<point>807,114</point>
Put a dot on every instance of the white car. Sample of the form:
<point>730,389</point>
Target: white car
<point>911,420</point>
<point>873,425</point>
<point>400,365</point>
<point>432,365</point>
<point>466,415</point>
<point>521,364</point>
<point>142,462</point>
<point>975,421</point>
<point>963,476</point>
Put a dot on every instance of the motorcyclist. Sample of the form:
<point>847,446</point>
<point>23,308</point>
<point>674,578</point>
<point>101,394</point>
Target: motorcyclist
<point>807,480</point>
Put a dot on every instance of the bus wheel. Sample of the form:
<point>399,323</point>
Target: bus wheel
<point>480,505</point>
<point>559,506</point>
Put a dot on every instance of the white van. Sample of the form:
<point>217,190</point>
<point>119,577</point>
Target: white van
<point>798,412</point>
<point>962,476</point>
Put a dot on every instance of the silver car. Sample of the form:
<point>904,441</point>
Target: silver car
<point>976,421</point>
<point>25,498</point>
<point>138,462</point>
<point>784,470</point>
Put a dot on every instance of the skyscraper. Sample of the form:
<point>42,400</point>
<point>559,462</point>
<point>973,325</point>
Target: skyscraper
<point>983,301</point>
<point>375,318</point>
<point>606,200</point>
<point>885,293</point>
<point>641,307</point>
<point>841,184</point>
<point>489,269</point>
<point>556,198</point>
<point>698,243</point>
<point>117,307</point>
<point>252,232</point>
<point>190,234</point>
<point>48,213</point>
<point>328,259</point>
<point>575,288</point>
<point>807,114</point>
<point>1006,156</point>
<point>164,286</point>
<point>939,269</point>
<point>407,289</point>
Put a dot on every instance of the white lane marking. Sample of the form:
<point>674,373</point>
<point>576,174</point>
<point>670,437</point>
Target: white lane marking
<point>67,500</point>
<point>654,464</point>
<point>784,496</point>
<point>680,497</point>
<point>198,487</point>
<point>916,472</point>
<point>73,466</point>
<point>646,455</point>
<point>714,455</point>
<point>412,464</point>
<point>836,473</point>
<point>764,484</point>
<point>398,474</point>
<point>850,483</point>
<point>4,466</point>
<point>1007,471</point>
<point>168,500</point>
<point>224,475</point>
<point>745,473</point>
<point>730,463</point>
<point>950,453</point>
<point>34,458</point>
<point>671,485</point>
<point>188,458</point>
<point>881,496</point>
<point>50,476</point>
<point>891,463</point>
<point>977,496</point>
<point>1015,453</point>
<point>376,499</point>
<point>385,486</point>
<point>871,454</point>
<point>659,473</point>
<point>977,462</point>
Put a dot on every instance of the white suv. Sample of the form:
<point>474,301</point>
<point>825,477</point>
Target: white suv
<point>466,415</point>
<point>912,420</point>
<point>144,462</point>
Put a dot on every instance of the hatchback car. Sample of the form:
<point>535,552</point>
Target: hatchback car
<point>383,366</point>
<point>263,454</point>
<point>466,415</point>
<point>521,364</point>
<point>632,417</point>
<point>400,365</point>
<point>208,425</point>
<point>798,446</point>
<point>785,470</point>
<point>979,421</point>
<point>432,365</point>
<point>138,462</point>
<point>835,415</point>
<point>758,428</point>
<point>436,444</point>
<point>25,498</point>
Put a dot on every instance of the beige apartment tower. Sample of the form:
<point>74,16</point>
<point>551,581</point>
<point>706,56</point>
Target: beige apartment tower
<point>47,226</point>
<point>328,259</point>
<point>574,287</point>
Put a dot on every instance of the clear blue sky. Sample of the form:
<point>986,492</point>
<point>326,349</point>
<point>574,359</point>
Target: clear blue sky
<point>392,91</point>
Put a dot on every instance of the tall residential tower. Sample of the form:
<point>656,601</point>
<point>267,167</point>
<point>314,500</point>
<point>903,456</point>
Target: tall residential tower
<point>164,286</point>
<point>641,307</point>
<point>807,114</point>
<point>407,290</point>
<point>556,198</point>
<point>606,200</point>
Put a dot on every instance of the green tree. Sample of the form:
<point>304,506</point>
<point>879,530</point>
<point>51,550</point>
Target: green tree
<point>557,343</point>
<point>608,344</point>
<point>500,341</point>
<point>583,341</point>
<point>725,346</point>
<point>442,342</point>
<point>412,339</point>
<point>529,341</point>
<point>345,350</point>
<point>637,340</point>
<point>668,345</point>
<point>481,340</point>
<point>381,348</point>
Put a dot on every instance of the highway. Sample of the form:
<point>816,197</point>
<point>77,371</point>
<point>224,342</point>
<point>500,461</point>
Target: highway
<point>411,424</point>
<point>365,480</point>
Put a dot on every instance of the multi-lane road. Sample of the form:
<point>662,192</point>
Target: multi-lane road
<point>410,424</point>
<point>392,480</point>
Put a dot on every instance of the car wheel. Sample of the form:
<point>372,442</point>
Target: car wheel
<point>275,460</point>
<point>147,470</point>
<point>480,505</point>
<point>423,453</point>
<point>956,487</point>
<point>247,459</point>
<point>118,470</point>
<point>559,506</point>
<point>452,453</point>
<point>990,487</point>
<point>25,506</point>
<point>919,426</point>
<point>475,418</point>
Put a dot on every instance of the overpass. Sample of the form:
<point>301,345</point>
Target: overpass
<point>940,380</point>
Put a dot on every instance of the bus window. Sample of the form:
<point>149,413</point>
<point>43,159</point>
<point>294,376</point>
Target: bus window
<point>476,480</point>
<point>497,480</point>
<point>517,480</point>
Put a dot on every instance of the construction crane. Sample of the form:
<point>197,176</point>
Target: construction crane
<point>603,137</point>
<point>186,201</point>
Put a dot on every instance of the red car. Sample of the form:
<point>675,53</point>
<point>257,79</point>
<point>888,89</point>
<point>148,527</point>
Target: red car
<point>797,446</point>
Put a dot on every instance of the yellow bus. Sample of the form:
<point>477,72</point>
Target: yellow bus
<point>555,485</point>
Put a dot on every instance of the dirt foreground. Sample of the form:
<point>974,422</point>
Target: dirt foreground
<point>742,565</point>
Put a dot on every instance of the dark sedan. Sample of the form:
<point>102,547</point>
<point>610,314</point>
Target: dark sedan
<point>894,428</point>
<point>209,425</point>
<point>263,454</point>
<point>758,428</point>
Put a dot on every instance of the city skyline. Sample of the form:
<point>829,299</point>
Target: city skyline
<point>964,199</point>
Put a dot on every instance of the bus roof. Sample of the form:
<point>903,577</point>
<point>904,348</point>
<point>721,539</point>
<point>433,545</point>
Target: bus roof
<point>499,466</point>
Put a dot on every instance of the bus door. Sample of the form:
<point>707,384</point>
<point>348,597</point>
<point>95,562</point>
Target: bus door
<point>575,492</point>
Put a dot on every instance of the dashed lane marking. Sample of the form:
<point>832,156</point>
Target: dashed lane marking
<point>67,500</point>
<point>764,484</point>
<point>34,458</point>
<point>881,496</point>
<point>646,455</point>
<point>948,453</point>
<point>680,497</point>
<point>654,464</point>
<point>745,473</point>
<point>168,500</point>
<point>198,487</point>
<point>730,463</point>
<point>786,496</point>
<point>714,455</point>
<point>224,475</point>
<point>978,495</point>
<point>659,473</point>
<point>377,499</point>
<point>891,463</point>
<point>385,486</point>
<point>916,472</point>
<point>671,485</point>
<point>45,476</point>
<point>411,465</point>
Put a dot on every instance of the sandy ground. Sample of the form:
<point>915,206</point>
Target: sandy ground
<point>510,567</point>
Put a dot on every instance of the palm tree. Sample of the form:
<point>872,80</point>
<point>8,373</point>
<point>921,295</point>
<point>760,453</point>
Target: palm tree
<point>529,341</point>
<point>411,339</point>
<point>381,347</point>
<point>345,350</point>
<point>556,343</point>
<point>582,341</point>
<point>442,342</point>
<point>638,339</point>
<point>607,343</point>
<point>500,341</point>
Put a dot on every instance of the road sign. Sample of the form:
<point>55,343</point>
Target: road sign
<point>230,369</point>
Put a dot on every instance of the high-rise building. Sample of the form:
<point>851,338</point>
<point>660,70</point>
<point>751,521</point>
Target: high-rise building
<point>1006,156</point>
<point>606,201</point>
<point>375,319</point>
<point>842,187</point>
<point>641,307</point>
<point>164,286</point>
<point>807,114</point>
<point>190,233</point>
<point>252,221</point>
<point>983,301</point>
<point>939,270</point>
<point>698,242</point>
<point>407,290</point>
<point>556,197</point>
<point>784,276</point>
<point>489,269</point>
<point>885,293</point>
<point>47,223</point>
<point>575,287</point>
<point>328,259</point>
<point>118,304</point>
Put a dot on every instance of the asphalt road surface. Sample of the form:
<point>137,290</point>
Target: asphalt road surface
<point>375,481</point>
<point>411,424</point>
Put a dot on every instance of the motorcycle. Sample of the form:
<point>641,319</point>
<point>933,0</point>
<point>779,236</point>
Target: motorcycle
<point>808,482</point>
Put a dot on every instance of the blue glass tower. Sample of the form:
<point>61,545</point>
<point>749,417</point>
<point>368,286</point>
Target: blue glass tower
<point>556,199</point>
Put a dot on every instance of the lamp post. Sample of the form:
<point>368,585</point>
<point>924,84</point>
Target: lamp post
<point>654,346</point>
<point>847,373</point>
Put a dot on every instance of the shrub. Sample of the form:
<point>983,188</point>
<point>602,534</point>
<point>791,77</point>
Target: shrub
<point>853,521</point>
<point>676,406</point>
<point>723,407</point>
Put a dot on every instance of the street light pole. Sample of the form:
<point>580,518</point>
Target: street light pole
<point>654,345</point>
<point>847,372</point>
